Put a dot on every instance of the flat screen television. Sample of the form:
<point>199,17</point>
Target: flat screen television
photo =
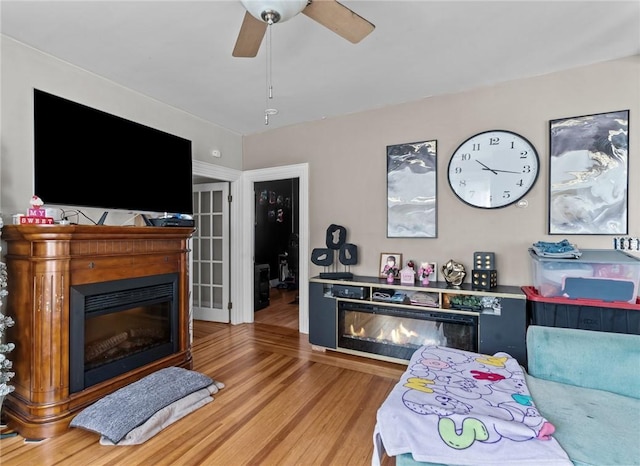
<point>84,157</point>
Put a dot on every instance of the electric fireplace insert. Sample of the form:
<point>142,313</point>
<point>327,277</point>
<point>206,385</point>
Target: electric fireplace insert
<point>117,326</point>
<point>397,332</point>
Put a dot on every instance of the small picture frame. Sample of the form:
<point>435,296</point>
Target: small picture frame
<point>433,276</point>
<point>390,260</point>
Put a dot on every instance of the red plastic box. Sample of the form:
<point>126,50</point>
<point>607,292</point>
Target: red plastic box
<point>587,314</point>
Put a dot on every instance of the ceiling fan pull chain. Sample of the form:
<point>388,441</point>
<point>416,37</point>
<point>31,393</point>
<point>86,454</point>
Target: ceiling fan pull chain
<point>269,67</point>
<point>270,62</point>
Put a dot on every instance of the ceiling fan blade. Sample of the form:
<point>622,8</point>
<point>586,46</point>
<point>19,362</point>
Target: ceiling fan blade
<point>250,37</point>
<point>339,19</point>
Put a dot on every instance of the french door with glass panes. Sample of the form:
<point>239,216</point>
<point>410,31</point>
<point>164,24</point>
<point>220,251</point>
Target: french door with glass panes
<point>210,252</point>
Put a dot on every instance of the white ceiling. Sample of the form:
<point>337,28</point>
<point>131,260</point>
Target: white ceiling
<point>179,52</point>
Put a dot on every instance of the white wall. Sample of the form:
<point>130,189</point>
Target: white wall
<point>347,173</point>
<point>24,69</point>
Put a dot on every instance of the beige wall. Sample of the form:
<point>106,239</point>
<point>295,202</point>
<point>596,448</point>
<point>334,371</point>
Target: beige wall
<point>24,68</point>
<point>347,163</point>
<point>346,155</point>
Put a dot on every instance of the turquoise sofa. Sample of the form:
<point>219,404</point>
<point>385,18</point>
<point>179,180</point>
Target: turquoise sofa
<point>587,384</point>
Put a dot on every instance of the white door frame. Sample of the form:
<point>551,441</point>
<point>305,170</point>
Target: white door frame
<point>242,220</point>
<point>249,177</point>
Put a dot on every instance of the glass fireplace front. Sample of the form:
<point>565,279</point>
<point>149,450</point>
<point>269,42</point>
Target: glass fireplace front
<point>397,332</point>
<point>120,325</point>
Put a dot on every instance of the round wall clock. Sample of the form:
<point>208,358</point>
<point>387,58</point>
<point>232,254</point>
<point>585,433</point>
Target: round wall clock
<point>493,169</point>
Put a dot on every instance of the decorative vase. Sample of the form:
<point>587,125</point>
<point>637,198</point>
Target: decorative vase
<point>390,278</point>
<point>425,281</point>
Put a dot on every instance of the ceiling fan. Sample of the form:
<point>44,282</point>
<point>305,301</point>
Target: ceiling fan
<point>329,13</point>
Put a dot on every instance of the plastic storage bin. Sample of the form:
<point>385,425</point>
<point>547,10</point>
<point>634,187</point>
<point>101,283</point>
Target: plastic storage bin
<point>582,314</point>
<point>599,274</point>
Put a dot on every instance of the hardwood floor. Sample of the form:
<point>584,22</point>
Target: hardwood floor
<point>283,404</point>
<point>282,310</point>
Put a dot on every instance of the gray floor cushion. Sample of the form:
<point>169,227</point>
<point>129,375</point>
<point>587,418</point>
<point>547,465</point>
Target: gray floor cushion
<point>125,409</point>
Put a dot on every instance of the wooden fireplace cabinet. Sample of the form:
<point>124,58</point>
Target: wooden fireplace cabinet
<point>43,263</point>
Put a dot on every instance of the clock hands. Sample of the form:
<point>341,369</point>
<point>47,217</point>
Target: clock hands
<point>501,171</point>
<point>487,168</point>
<point>495,170</point>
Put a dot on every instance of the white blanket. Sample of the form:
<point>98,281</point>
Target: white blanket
<point>457,407</point>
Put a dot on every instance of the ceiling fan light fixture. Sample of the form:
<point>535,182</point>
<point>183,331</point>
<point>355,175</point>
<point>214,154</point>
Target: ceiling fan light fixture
<point>274,11</point>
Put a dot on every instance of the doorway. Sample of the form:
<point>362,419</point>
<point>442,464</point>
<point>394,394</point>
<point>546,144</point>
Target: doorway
<point>276,237</point>
<point>250,178</point>
<point>276,230</point>
<point>241,220</point>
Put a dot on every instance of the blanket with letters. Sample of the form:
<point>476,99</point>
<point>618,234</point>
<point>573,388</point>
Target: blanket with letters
<point>458,407</point>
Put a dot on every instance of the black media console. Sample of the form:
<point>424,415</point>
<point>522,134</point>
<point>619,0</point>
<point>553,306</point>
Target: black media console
<point>369,317</point>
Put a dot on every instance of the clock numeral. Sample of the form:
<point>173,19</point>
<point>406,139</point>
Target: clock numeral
<point>513,145</point>
<point>506,194</point>
<point>462,183</point>
<point>476,146</point>
<point>458,170</point>
<point>465,156</point>
<point>494,141</point>
<point>526,169</point>
<point>523,154</point>
<point>520,183</point>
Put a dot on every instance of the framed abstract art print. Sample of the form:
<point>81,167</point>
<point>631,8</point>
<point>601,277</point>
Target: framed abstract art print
<point>411,190</point>
<point>589,174</point>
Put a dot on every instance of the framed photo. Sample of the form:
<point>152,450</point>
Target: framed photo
<point>425,265</point>
<point>411,190</point>
<point>390,260</point>
<point>589,174</point>
<point>433,276</point>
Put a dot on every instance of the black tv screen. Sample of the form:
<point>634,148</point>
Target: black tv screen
<point>85,157</point>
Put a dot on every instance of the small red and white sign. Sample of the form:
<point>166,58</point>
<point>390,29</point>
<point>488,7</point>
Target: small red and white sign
<point>31,220</point>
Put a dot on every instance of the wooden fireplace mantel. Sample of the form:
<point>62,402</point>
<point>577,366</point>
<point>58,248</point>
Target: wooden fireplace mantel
<point>43,263</point>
